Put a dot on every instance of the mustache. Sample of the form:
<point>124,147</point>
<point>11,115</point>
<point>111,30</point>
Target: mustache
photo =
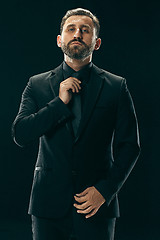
<point>77,40</point>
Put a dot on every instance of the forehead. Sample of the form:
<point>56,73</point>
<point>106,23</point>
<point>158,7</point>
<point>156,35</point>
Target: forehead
<point>79,20</point>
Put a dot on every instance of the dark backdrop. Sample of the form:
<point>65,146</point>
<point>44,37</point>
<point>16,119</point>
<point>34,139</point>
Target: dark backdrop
<point>130,48</point>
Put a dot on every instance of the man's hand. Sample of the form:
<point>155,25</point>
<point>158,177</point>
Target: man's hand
<point>67,87</point>
<point>90,200</point>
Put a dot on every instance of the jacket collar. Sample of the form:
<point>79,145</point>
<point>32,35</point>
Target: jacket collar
<point>55,79</point>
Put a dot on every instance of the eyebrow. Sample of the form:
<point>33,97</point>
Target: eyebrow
<point>83,25</point>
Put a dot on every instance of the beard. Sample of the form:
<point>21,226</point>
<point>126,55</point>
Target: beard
<point>78,52</point>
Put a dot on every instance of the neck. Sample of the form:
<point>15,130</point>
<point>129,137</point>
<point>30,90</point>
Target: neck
<point>77,64</point>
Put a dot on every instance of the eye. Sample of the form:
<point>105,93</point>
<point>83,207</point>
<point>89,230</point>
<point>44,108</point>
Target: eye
<point>85,30</point>
<point>70,29</point>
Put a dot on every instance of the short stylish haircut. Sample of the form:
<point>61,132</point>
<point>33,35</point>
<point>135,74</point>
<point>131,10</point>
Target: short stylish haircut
<point>81,12</point>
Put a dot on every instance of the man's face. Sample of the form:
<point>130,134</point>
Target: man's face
<point>78,38</point>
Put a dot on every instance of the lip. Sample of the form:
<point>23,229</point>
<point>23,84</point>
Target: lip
<point>76,43</point>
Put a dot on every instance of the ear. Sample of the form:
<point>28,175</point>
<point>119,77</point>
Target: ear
<point>59,40</point>
<point>98,44</point>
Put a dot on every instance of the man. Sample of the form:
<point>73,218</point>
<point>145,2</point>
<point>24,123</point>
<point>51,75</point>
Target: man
<point>85,121</point>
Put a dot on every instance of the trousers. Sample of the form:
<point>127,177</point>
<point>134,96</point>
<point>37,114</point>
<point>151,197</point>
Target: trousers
<point>74,226</point>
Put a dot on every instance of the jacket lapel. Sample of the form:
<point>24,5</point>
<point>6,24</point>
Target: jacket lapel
<point>94,87</point>
<point>55,80</point>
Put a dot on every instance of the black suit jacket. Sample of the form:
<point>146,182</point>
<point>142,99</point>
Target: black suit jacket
<point>103,153</point>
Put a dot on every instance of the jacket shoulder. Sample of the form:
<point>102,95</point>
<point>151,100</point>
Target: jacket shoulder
<point>45,75</point>
<point>108,76</point>
<point>40,76</point>
<point>112,77</point>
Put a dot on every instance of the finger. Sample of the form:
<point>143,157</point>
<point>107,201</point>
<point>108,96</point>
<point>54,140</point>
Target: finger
<point>76,79</point>
<point>82,206</point>
<point>71,79</point>
<point>77,84</point>
<point>80,199</point>
<point>82,193</point>
<point>72,84</point>
<point>92,213</point>
<point>73,87</point>
<point>85,211</point>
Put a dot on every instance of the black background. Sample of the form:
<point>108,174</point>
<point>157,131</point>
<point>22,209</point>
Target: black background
<point>130,48</point>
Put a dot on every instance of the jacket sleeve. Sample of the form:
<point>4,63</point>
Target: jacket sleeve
<point>31,122</point>
<point>125,147</point>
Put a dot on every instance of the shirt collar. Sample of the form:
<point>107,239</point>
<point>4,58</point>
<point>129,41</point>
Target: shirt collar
<point>84,72</point>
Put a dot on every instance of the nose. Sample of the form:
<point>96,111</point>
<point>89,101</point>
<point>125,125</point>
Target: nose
<point>78,33</point>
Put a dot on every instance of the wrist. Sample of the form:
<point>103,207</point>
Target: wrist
<point>64,101</point>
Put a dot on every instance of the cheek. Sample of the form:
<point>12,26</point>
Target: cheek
<point>66,36</point>
<point>90,40</point>
<point>66,40</point>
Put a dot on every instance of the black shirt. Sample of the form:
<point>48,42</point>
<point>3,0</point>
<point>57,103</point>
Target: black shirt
<point>84,74</point>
